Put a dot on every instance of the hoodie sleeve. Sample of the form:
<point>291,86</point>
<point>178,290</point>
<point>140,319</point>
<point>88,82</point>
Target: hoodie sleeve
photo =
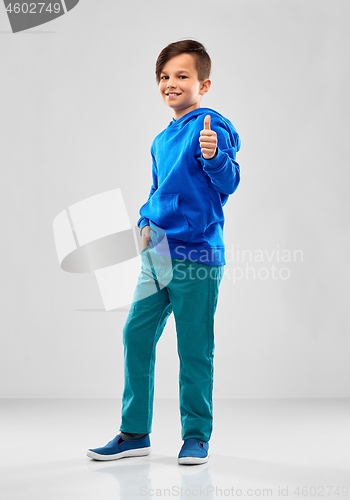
<point>143,221</point>
<point>223,170</point>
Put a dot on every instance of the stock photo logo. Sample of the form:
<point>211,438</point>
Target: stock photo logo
<point>24,15</point>
<point>95,236</point>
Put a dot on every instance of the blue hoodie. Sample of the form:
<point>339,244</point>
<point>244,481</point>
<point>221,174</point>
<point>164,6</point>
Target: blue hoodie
<point>188,193</point>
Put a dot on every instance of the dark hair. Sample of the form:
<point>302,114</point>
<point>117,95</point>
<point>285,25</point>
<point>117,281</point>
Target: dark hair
<point>202,61</point>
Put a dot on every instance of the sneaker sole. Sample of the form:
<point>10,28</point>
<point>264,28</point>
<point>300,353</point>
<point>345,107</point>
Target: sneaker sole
<point>193,460</point>
<point>137,452</point>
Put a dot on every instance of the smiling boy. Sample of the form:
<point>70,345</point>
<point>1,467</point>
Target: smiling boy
<point>187,161</point>
<point>194,170</point>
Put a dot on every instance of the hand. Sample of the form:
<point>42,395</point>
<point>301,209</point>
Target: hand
<point>208,140</point>
<point>146,236</point>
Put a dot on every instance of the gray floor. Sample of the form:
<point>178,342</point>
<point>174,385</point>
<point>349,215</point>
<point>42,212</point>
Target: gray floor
<point>259,448</point>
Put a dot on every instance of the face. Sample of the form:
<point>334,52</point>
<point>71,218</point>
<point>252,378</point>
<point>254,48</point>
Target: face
<point>179,86</point>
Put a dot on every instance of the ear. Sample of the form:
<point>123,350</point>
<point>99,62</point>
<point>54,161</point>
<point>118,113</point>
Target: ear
<point>205,86</point>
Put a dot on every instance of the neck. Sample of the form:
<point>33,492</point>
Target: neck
<point>181,112</point>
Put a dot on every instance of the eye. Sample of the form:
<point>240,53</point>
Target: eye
<point>163,77</point>
<point>183,76</point>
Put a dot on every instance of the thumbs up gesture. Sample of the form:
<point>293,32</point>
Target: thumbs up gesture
<point>208,140</point>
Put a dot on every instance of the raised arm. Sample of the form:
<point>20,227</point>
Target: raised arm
<point>222,168</point>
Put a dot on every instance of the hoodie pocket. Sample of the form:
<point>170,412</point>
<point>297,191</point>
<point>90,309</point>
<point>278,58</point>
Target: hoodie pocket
<point>164,211</point>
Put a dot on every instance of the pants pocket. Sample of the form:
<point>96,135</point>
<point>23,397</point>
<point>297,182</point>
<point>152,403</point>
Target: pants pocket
<point>146,248</point>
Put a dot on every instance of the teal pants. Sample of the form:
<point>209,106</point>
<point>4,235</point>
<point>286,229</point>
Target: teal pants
<point>191,292</point>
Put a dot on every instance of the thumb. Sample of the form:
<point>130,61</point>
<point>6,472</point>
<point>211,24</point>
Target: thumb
<point>207,122</point>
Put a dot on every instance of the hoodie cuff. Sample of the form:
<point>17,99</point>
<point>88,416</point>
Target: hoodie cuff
<point>144,222</point>
<point>214,162</point>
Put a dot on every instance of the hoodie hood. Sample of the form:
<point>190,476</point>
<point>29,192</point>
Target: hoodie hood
<point>181,122</point>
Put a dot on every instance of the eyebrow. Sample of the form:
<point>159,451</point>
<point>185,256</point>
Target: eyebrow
<point>179,71</point>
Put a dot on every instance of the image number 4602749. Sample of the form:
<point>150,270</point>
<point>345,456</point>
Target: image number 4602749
<point>24,15</point>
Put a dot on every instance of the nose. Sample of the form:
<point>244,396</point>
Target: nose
<point>170,84</point>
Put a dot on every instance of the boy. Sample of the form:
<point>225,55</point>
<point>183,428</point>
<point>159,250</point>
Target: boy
<point>194,171</point>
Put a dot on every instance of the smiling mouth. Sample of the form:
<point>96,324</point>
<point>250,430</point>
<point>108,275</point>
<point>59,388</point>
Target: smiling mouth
<point>171,94</point>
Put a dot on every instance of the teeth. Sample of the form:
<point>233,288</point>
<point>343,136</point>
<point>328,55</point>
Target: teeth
<point>173,94</point>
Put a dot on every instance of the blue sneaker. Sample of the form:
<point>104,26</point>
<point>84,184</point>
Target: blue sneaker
<point>118,448</point>
<point>194,452</point>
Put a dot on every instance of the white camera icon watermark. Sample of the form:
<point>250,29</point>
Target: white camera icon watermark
<point>95,236</point>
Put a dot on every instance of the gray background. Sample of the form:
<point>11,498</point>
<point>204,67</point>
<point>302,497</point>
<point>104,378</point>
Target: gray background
<point>79,109</point>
